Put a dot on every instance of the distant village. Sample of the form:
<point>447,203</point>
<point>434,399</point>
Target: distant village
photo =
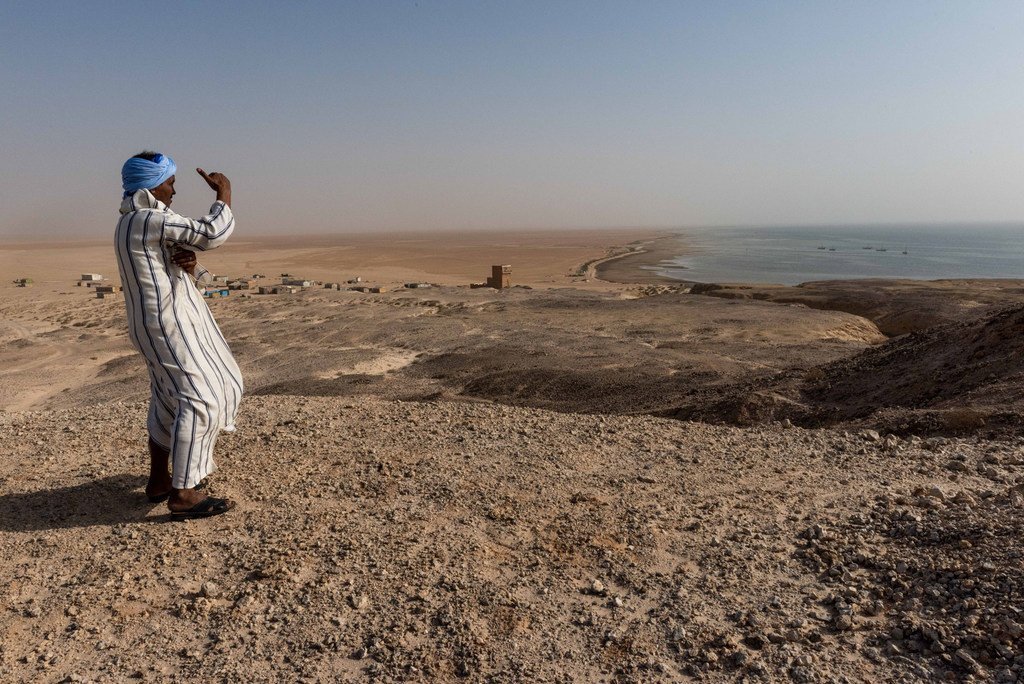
<point>258,283</point>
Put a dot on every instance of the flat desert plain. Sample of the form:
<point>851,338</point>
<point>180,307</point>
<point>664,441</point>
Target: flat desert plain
<point>596,475</point>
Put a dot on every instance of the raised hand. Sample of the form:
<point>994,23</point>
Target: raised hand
<point>219,183</point>
<point>185,259</point>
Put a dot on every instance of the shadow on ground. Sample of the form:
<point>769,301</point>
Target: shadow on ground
<point>107,501</point>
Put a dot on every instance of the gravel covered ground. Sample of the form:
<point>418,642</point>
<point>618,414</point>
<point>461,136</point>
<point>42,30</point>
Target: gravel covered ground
<point>388,541</point>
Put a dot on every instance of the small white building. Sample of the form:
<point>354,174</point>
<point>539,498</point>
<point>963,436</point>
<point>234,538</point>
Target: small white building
<point>91,276</point>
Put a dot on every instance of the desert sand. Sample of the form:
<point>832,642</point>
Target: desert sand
<point>597,475</point>
<point>541,258</point>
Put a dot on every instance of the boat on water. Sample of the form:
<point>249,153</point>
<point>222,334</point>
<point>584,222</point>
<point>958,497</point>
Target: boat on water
<point>831,249</point>
<point>868,247</point>
<point>881,249</point>
<point>821,247</point>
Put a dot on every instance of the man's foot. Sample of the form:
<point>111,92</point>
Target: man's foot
<point>159,488</point>
<point>189,500</point>
<point>157,498</point>
<point>206,508</point>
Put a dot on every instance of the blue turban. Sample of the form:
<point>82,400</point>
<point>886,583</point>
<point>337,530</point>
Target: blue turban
<point>138,173</point>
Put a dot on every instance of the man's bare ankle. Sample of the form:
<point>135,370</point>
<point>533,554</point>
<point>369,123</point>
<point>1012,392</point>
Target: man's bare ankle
<point>184,498</point>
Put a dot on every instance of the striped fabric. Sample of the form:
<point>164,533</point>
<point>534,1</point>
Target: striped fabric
<point>195,382</point>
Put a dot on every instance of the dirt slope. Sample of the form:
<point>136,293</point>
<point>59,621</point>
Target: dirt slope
<point>979,362</point>
<point>897,307</point>
<point>957,377</point>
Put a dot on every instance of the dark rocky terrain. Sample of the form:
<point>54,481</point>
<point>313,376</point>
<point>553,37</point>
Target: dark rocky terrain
<point>955,378</point>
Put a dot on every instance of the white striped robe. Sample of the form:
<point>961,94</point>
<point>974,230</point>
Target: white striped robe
<point>195,383</point>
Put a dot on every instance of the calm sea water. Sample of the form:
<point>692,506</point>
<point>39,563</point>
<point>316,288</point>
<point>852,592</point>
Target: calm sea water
<point>791,255</point>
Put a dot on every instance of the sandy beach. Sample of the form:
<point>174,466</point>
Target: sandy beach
<point>637,263</point>
<point>596,476</point>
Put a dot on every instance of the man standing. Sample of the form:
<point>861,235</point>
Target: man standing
<point>195,383</point>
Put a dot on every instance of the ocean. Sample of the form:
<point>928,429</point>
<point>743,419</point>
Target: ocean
<point>791,255</point>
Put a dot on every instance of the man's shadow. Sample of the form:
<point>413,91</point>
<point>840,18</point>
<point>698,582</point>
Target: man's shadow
<point>107,501</point>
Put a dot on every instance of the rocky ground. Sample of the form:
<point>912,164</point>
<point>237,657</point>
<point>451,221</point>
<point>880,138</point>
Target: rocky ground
<point>433,541</point>
<point>468,485</point>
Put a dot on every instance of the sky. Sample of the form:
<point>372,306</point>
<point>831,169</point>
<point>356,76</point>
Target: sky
<point>418,115</point>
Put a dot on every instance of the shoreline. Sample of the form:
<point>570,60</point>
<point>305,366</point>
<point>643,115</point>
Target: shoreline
<point>626,268</point>
<point>897,306</point>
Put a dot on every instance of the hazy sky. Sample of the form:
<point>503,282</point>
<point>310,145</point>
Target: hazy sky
<point>432,115</point>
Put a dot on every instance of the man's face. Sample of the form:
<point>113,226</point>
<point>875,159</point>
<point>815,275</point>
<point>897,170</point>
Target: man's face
<point>165,191</point>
